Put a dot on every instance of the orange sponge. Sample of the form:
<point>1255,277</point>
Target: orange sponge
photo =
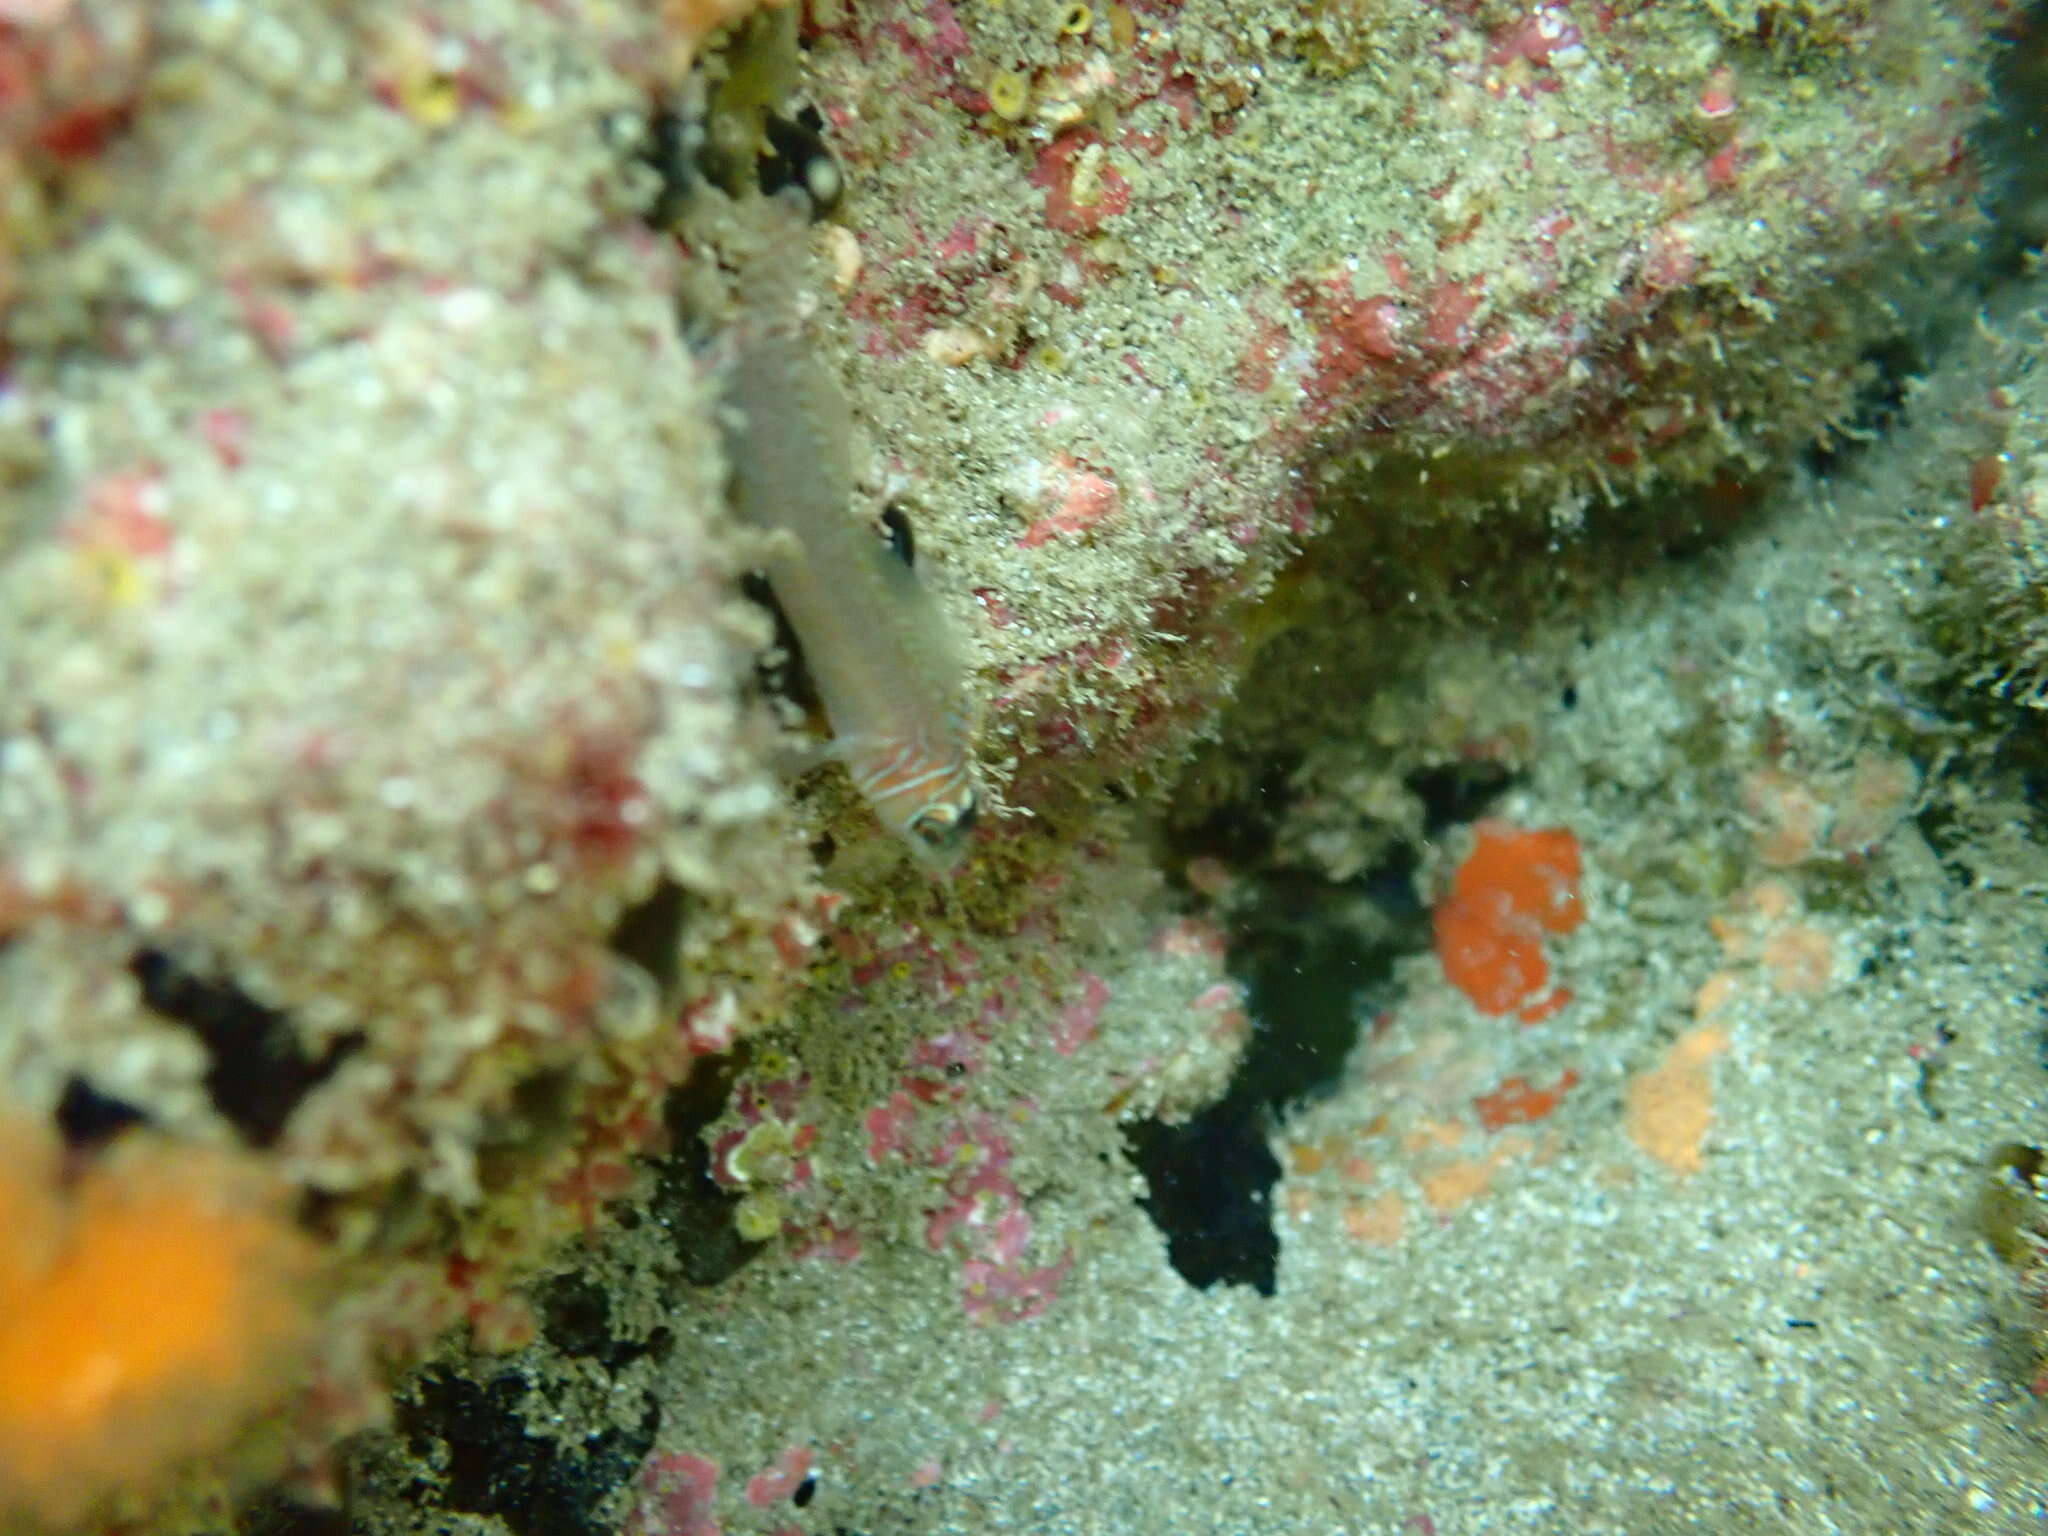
<point>145,1313</point>
<point>1514,887</point>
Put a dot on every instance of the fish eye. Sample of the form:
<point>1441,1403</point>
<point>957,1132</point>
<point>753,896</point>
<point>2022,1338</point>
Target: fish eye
<point>966,814</point>
<point>941,827</point>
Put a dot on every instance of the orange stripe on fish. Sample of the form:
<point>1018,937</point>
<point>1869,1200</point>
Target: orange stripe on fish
<point>920,791</point>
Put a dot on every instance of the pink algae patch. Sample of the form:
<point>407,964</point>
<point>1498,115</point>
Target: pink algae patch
<point>997,1293</point>
<point>1079,1020</point>
<point>1355,334</point>
<point>781,1480</point>
<point>226,432</point>
<point>888,1126</point>
<point>983,1217</point>
<point>677,1494</point>
<point>1259,365</point>
<point>1081,188</point>
<point>1084,498</point>
<point>840,1245</point>
<point>1451,308</point>
<point>1535,38</point>
<point>1189,936</point>
<point>1514,887</point>
<point>127,512</point>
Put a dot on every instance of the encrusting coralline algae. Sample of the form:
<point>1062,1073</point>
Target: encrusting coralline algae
<point>389,819</point>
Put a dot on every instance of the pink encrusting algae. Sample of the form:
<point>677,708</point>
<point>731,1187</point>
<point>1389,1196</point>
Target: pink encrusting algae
<point>776,1483</point>
<point>678,1495</point>
<point>943,1125</point>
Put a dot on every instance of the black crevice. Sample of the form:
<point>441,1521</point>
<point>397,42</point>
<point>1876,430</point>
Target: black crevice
<point>577,1319</point>
<point>1314,957</point>
<point>275,1513</point>
<point>688,1204</point>
<point>1456,793</point>
<point>1889,367</point>
<point>259,1073</point>
<point>88,1119</point>
<point>1209,1190</point>
<point>475,1432</point>
<point>650,934</point>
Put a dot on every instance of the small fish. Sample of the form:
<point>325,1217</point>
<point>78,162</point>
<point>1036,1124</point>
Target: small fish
<point>874,640</point>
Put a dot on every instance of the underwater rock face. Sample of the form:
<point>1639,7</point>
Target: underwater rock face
<point>1999,544</point>
<point>370,650</point>
<point>384,787</point>
<point>1140,296</point>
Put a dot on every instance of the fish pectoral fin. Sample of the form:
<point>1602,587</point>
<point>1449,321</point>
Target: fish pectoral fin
<point>796,755</point>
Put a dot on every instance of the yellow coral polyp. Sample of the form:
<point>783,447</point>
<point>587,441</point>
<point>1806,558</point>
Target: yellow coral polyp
<point>433,99</point>
<point>145,1315</point>
<point>758,1217</point>
<point>1009,93</point>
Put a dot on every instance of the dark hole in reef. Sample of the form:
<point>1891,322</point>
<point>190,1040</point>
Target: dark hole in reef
<point>87,1118</point>
<point>1240,834</point>
<point>1682,525</point>
<point>687,1202</point>
<point>806,1491</point>
<point>1956,838</point>
<point>539,1120</point>
<point>650,934</point>
<point>493,1467</point>
<point>576,1316</point>
<point>670,151</point>
<point>2021,754</point>
<point>798,156</point>
<point>901,534</point>
<point>259,1073</point>
<point>1314,955</point>
<point>1889,367</point>
<point>695,148</point>
<point>1209,1189</point>
<point>1456,793</point>
<point>2008,145</point>
<point>1314,959</point>
<point>273,1513</point>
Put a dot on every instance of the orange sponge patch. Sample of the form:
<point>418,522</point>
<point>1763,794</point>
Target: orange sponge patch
<point>28,1209</point>
<point>142,1320</point>
<point>1515,886</point>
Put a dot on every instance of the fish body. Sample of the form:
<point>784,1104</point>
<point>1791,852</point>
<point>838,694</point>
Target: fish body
<point>874,640</point>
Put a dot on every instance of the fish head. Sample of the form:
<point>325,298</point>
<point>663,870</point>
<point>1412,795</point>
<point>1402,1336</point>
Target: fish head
<point>938,831</point>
